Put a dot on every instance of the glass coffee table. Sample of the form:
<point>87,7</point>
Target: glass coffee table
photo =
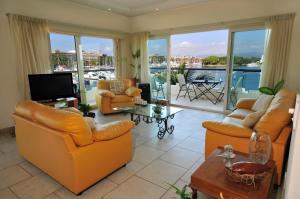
<point>146,113</point>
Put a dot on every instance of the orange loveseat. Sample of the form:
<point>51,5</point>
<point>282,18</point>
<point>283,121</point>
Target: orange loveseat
<point>107,100</point>
<point>63,145</point>
<point>275,121</point>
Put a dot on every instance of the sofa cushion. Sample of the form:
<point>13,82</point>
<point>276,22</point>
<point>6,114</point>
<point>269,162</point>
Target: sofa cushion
<point>66,122</point>
<point>133,91</point>
<point>112,130</point>
<point>117,87</point>
<point>27,108</point>
<point>240,113</point>
<point>251,119</point>
<point>121,98</point>
<point>262,102</point>
<point>277,115</point>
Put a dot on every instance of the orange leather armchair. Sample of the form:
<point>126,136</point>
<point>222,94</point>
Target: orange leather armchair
<point>275,121</point>
<point>107,100</point>
<point>63,145</point>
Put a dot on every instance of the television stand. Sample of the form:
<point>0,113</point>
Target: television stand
<point>72,102</point>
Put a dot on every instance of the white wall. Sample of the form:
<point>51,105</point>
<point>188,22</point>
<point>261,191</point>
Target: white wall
<point>55,10</point>
<point>216,11</point>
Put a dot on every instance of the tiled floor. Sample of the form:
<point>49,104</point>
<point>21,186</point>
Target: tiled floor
<point>155,164</point>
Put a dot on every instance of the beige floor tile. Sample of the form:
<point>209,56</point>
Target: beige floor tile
<point>163,144</point>
<point>52,196</point>
<point>187,176</point>
<point>95,192</point>
<point>10,159</point>
<point>182,157</point>
<point>124,173</point>
<point>139,140</point>
<point>36,187</point>
<point>7,194</point>
<point>136,188</point>
<point>12,175</point>
<point>161,173</point>
<point>30,168</point>
<point>145,155</point>
<point>193,145</point>
<point>8,146</point>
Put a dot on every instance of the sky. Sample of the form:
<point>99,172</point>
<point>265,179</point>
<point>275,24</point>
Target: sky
<point>202,44</point>
<point>65,43</point>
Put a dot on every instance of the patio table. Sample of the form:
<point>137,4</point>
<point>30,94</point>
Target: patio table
<point>207,86</point>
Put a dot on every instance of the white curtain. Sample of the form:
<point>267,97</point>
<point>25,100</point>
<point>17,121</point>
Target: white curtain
<point>121,55</point>
<point>277,48</point>
<point>31,40</point>
<point>140,41</point>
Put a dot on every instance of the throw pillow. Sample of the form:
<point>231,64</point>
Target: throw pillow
<point>132,91</point>
<point>252,118</point>
<point>117,87</point>
<point>262,103</point>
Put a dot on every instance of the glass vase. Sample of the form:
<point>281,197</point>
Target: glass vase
<point>260,147</point>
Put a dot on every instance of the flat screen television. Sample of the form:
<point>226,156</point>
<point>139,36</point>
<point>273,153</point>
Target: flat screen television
<point>49,87</point>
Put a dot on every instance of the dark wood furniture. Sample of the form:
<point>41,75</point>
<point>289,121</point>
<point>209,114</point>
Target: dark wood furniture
<point>72,102</point>
<point>210,179</point>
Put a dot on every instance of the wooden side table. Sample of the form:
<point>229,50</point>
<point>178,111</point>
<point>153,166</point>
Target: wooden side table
<point>210,179</point>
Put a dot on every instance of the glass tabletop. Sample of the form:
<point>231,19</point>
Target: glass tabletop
<point>149,112</point>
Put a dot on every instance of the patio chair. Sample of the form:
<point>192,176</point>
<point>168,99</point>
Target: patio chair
<point>185,87</point>
<point>156,87</point>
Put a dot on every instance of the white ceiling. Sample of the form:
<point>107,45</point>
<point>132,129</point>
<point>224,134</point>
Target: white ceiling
<point>136,7</point>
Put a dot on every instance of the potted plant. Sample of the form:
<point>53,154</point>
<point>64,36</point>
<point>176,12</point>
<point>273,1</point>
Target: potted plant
<point>136,65</point>
<point>85,109</point>
<point>272,91</point>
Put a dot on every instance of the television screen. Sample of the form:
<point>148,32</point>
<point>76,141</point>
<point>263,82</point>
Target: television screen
<point>51,86</point>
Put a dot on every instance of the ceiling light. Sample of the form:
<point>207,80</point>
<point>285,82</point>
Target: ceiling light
<point>109,9</point>
<point>156,9</point>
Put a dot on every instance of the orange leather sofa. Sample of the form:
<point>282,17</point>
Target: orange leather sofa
<point>108,100</point>
<point>275,121</point>
<point>63,145</point>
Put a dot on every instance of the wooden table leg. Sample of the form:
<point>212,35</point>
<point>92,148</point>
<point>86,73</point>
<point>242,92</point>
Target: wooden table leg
<point>194,194</point>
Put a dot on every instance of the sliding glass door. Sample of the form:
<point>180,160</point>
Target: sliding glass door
<point>158,51</point>
<point>246,55</point>
<point>87,58</point>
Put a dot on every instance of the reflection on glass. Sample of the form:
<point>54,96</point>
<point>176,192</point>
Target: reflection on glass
<point>247,58</point>
<point>157,49</point>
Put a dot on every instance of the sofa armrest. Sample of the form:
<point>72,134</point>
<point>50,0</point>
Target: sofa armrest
<point>245,103</point>
<point>105,93</point>
<point>284,135</point>
<point>133,91</point>
<point>228,129</point>
<point>112,130</point>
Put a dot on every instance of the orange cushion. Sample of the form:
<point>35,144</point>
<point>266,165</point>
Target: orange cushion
<point>67,122</point>
<point>277,115</point>
<point>26,109</point>
<point>240,113</point>
<point>112,130</point>
<point>122,98</point>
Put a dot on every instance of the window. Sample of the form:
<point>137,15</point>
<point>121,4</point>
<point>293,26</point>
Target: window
<point>97,55</point>
<point>98,64</point>
<point>63,56</point>
<point>158,50</point>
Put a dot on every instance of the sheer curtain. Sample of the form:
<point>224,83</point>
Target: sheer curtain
<point>277,50</point>
<point>121,55</point>
<point>140,41</point>
<point>31,40</point>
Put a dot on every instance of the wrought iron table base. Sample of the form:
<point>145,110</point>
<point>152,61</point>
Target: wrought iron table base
<point>162,123</point>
